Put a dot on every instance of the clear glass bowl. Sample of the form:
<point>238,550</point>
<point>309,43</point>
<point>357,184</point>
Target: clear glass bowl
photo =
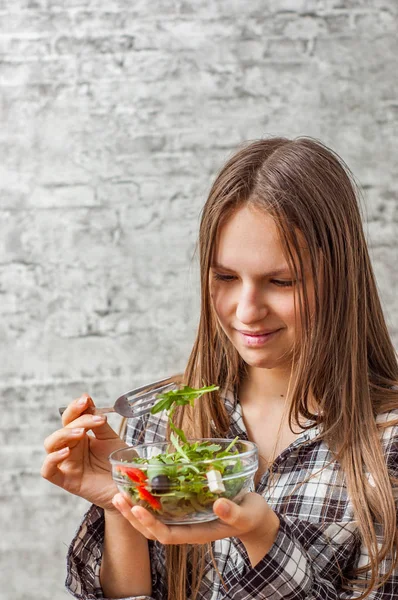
<point>182,492</point>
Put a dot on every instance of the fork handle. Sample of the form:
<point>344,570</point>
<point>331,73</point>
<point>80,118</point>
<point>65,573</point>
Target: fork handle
<point>91,410</point>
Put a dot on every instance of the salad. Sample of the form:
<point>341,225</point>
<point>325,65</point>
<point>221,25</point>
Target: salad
<point>180,480</point>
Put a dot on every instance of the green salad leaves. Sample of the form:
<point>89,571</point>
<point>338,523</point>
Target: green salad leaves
<point>186,395</point>
<point>184,481</point>
<point>170,400</point>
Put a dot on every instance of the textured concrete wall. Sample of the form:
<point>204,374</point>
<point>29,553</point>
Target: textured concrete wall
<point>114,118</point>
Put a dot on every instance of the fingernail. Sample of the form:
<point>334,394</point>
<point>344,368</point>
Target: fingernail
<point>63,451</point>
<point>82,401</point>
<point>137,515</point>
<point>224,509</point>
<point>99,418</point>
<point>116,501</point>
<point>77,431</point>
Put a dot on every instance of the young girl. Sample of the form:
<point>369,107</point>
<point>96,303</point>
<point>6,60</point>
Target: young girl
<point>292,331</point>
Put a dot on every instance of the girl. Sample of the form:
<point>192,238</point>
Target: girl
<point>292,331</point>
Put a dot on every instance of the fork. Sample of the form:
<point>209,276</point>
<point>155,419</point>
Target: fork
<point>136,402</point>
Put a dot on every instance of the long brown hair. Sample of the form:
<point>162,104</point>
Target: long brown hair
<point>345,360</point>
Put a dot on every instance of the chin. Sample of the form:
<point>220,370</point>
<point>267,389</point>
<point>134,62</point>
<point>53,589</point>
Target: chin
<point>260,362</point>
<point>264,361</point>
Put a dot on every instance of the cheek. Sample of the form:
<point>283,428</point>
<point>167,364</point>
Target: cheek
<point>220,305</point>
<point>221,300</point>
<point>284,307</point>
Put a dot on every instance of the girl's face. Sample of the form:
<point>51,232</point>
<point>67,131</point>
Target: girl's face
<point>253,290</point>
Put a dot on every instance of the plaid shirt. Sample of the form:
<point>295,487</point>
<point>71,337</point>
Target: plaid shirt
<point>317,542</point>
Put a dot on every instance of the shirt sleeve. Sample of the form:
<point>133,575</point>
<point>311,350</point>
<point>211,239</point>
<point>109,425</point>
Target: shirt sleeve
<point>85,552</point>
<point>84,560</point>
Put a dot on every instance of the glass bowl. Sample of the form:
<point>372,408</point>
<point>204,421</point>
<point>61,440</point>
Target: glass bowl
<point>178,490</point>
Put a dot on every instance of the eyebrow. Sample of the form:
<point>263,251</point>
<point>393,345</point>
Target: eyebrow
<point>274,273</point>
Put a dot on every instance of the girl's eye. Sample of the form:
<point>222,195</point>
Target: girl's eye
<point>220,277</point>
<point>282,283</point>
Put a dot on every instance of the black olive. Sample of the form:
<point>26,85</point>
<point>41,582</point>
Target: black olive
<point>160,484</point>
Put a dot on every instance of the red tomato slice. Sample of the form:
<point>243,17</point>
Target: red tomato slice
<point>135,475</point>
<point>145,495</point>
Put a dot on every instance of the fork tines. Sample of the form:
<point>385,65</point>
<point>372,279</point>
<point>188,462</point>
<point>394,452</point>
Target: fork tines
<point>143,402</point>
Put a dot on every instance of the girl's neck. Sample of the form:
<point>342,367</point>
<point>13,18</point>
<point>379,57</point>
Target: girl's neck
<point>265,386</point>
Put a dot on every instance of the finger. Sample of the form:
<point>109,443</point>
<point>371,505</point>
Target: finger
<point>63,437</point>
<point>243,517</point>
<point>227,511</point>
<point>102,429</point>
<point>50,470</point>
<point>97,423</point>
<point>253,520</point>
<point>181,534</point>
<point>155,529</point>
<point>76,408</point>
<point>124,507</point>
<point>75,431</point>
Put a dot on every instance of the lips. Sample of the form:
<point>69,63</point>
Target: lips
<point>257,339</point>
<point>257,333</point>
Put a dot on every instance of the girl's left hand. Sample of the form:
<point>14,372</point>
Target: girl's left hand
<point>252,521</point>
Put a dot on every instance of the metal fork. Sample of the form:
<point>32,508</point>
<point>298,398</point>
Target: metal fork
<point>136,402</point>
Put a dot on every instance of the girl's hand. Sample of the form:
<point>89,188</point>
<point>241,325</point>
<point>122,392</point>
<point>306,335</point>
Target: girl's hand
<point>78,462</point>
<point>252,521</point>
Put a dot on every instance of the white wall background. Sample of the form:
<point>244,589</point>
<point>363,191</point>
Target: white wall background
<point>115,117</point>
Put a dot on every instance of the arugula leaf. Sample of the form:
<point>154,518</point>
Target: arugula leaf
<point>186,395</point>
<point>206,447</point>
<point>164,403</point>
<point>179,432</point>
<point>227,449</point>
<point>175,442</point>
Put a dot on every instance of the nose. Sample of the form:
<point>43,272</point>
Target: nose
<point>252,306</point>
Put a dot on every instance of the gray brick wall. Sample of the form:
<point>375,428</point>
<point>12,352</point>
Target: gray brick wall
<point>114,118</point>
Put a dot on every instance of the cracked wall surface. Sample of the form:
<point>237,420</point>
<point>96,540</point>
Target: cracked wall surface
<point>115,117</point>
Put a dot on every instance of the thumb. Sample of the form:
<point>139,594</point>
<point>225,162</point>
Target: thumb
<point>244,516</point>
<point>102,430</point>
<point>227,511</point>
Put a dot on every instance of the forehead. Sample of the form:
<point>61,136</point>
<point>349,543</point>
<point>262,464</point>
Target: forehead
<point>250,237</point>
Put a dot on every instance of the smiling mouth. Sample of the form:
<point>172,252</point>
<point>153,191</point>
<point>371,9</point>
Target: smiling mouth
<point>258,338</point>
<point>257,333</point>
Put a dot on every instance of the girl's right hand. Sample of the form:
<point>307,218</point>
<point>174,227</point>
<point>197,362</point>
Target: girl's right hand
<point>78,462</point>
